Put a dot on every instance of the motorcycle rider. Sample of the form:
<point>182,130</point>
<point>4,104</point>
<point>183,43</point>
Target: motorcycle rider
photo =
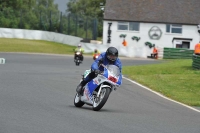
<point>96,52</point>
<point>109,57</point>
<point>79,49</point>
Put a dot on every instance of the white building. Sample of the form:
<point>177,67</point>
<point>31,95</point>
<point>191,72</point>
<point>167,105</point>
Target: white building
<point>163,23</point>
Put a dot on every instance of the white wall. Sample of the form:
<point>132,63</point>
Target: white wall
<point>39,35</point>
<point>139,49</point>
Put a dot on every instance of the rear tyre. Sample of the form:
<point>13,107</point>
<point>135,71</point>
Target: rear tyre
<point>99,102</point>
<point>77,101</point>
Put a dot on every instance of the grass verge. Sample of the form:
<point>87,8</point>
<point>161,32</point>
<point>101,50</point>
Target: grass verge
<point>175,79</point>
<point>34,46</point>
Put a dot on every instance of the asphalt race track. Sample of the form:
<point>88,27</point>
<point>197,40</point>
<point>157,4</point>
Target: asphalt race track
<point>37,92</point>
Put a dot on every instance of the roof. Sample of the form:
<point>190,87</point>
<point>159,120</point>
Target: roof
<point>186,39</point>
<point>156,11</point>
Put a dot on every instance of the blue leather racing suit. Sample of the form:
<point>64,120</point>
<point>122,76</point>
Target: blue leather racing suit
<point>102,59</point>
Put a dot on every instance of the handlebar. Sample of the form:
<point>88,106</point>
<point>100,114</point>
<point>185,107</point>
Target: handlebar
<point>103,65</point>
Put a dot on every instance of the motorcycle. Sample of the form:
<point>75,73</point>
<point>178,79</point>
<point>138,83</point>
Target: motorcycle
<point>95,56</point>
<point>97,91</point>
<point>77,59</point>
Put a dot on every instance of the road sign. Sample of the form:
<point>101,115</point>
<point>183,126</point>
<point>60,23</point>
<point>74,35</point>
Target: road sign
<point>2,61</point>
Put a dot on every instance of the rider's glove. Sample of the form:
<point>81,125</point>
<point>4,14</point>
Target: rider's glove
<point>97,71</point>
<point>100,62</point>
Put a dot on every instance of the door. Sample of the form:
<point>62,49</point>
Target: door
<point>186,45</point>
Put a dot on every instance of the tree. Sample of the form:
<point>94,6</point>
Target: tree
<point>44,15</point>
<point>12,11</point>
<point>48,12</point>
<point>27,14</point>
<point>87,9</point>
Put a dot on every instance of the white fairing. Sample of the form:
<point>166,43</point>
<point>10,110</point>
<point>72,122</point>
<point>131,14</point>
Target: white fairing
<point>102,81</point>
<point>86,98</point>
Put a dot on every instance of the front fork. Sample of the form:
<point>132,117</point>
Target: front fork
<point>99,91</point>
<point>101,86</point>
<point>97,97</point>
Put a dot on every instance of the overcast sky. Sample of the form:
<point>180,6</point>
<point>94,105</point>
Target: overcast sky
<point>62,4</point>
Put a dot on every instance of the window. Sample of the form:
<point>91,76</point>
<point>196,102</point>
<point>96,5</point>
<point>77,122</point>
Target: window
<point>174,28</point>
<point>128,26</point>
<point>133,26</point>
<point>122,26</point>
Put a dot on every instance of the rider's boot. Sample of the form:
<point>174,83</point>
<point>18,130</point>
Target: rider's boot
<point>79,88</point>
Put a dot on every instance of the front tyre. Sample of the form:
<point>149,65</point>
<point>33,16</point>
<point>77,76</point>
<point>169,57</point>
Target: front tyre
<point>77,101</point>
<point>98,103</point>
<point>77,63</point>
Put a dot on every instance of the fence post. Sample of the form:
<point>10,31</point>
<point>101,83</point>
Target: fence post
<point>86,27</point>
<point>60,22</point>
<point>20,19</point>
<point>76,25</point>
<point>94,29</point>
<point>50,22</point>
<point>40,25</point>
<point>68,28</point>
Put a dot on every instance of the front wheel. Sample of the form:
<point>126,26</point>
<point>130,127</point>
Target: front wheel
<point>77,63</point>
<point>99,102</point>
<point>77,101</point>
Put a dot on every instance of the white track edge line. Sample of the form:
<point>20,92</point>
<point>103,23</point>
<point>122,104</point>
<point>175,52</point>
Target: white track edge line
<point>161,95</point>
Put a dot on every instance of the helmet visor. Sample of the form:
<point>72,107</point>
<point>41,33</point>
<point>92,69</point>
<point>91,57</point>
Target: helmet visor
<point>112,57</point>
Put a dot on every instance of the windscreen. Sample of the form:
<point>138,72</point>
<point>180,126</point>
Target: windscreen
<point>114,70</point>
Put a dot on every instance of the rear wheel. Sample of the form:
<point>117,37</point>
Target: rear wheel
<point>99,102</point>
<point>77,101</point>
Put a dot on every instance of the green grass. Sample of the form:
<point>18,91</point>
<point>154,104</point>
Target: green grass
<point>34,46</point>
<point>175,79</point>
